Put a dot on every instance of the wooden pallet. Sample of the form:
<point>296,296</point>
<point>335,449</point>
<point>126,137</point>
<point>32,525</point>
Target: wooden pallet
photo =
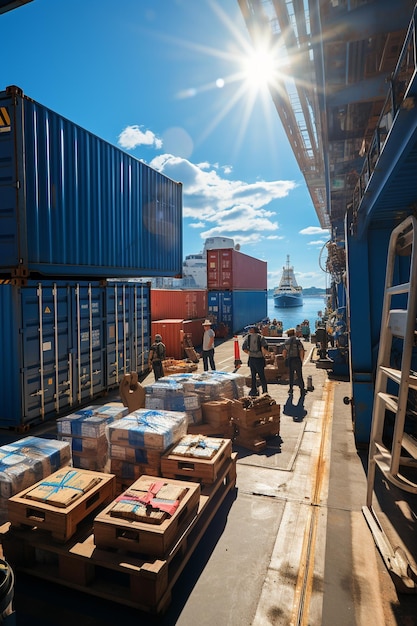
<point>194,468</point>
<point>120,577</point>
<point>143,537</point>
<point>255,438</point>
<point>247,412</point>
<point>61,522</point>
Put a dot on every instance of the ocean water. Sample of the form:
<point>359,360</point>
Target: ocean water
<point>292,316</point>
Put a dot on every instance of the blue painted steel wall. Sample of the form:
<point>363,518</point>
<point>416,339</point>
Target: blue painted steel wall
<point>366,262</point>
<point>57,343</point>
<point>75,205</point>
<point>237,309</point>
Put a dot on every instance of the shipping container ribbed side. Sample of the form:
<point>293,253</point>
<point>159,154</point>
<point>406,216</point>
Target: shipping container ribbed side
<point>73,205</point>
<point>59,345</point>
<point>178,303</point>
<point>230,269</point>
<point>236,309</point>
<point>172,332</point>
<point>128,324</point>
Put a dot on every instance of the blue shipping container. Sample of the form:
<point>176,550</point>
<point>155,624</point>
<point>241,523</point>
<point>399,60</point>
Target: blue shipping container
<point>237,309</point>
<point>74,205</point>
<point>63,344</point>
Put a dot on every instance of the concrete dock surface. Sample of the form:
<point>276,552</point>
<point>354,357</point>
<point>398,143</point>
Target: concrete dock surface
<point>289,546</point>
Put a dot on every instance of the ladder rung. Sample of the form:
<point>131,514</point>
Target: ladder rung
<point>410,445</point>
<point>390,401</point>
<point>404,243</point>
<point>396,289</point>
<point>405,461</point>
<point>383,461</point>
<point>395,375</point>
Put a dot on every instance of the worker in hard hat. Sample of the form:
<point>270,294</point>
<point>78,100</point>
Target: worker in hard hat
<point>157,354</point>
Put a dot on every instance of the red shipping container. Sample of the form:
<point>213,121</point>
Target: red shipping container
<point>185,304</point>
<point>196,330</point>
<point>172,333</point>
<point>230,269</point>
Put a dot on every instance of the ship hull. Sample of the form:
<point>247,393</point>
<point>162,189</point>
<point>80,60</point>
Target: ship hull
<point>284,300</point>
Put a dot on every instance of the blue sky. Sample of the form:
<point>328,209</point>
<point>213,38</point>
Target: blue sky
<point>166,81</point>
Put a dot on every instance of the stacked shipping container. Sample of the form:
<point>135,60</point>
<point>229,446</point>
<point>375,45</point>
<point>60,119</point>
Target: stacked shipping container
<point>237,290</point>
<point>176,312</point>
<point>74,209</point>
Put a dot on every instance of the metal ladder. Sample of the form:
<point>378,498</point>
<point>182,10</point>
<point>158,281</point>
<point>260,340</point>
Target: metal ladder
<point>396,324</point>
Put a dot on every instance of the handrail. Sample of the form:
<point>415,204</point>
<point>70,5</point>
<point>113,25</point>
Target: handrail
<point>397,93</point>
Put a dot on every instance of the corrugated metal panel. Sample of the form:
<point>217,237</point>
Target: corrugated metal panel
<point>128,329</point>
<point>230,269</point>
<point>195,329</point>
<point>237,309</point>
<point>54,345</point>
<point>172,334</point>
<point>74,205</point>
<point>178,303</point>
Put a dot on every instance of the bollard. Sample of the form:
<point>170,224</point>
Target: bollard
<point>238,362</point>
<point>310,383</point>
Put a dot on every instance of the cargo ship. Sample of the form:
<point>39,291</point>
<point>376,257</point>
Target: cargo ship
<point>288,293</point>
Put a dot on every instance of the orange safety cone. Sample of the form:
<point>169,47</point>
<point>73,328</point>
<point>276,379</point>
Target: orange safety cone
<point>238,362</point>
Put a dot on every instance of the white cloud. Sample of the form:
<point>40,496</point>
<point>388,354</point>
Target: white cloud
<point>318,242</point>
<point>133,136</point>
<point>313,230</point>
<point>233,206</point>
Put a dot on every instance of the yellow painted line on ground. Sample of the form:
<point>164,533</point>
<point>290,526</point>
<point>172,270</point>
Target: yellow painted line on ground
<point>304,585</point>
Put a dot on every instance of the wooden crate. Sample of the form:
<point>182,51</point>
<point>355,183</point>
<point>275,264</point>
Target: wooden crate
<point>217,413</point>
<point>256,437</point>
<point>143,537</point>
<point>249,412</point>
<point>192,355</point>
<point>180,465</point>
<point>60,520</point>
<point>144,584</point>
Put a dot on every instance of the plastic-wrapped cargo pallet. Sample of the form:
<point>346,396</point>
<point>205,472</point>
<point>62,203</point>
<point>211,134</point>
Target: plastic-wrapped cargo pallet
<point>188,392</point>
<point>84,430</point>
<point>169,394</point>
<point>212,385</point>
<point>137,442</point>
<point>23,463</point>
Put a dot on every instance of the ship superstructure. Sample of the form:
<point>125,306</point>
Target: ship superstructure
<point>288,293</point>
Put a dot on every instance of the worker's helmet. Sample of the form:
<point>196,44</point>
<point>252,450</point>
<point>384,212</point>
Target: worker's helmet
<point>158,338</point>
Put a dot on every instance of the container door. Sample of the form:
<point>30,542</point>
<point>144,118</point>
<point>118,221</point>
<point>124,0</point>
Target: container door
<point>141,326</point>
<point>220,310</point>
<point>46,373</point>
<point>118,314</point>
<point>88,361</point>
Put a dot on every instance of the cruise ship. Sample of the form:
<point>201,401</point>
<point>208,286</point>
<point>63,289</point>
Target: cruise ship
<point>288,293</point>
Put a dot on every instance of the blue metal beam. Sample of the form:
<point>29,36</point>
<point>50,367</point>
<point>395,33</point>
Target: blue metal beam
<point>361,91</point>
<point>365,21</point>
<point>398,154</point>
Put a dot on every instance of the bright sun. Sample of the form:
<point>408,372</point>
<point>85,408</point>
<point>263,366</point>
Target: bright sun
<point>259,69</point>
